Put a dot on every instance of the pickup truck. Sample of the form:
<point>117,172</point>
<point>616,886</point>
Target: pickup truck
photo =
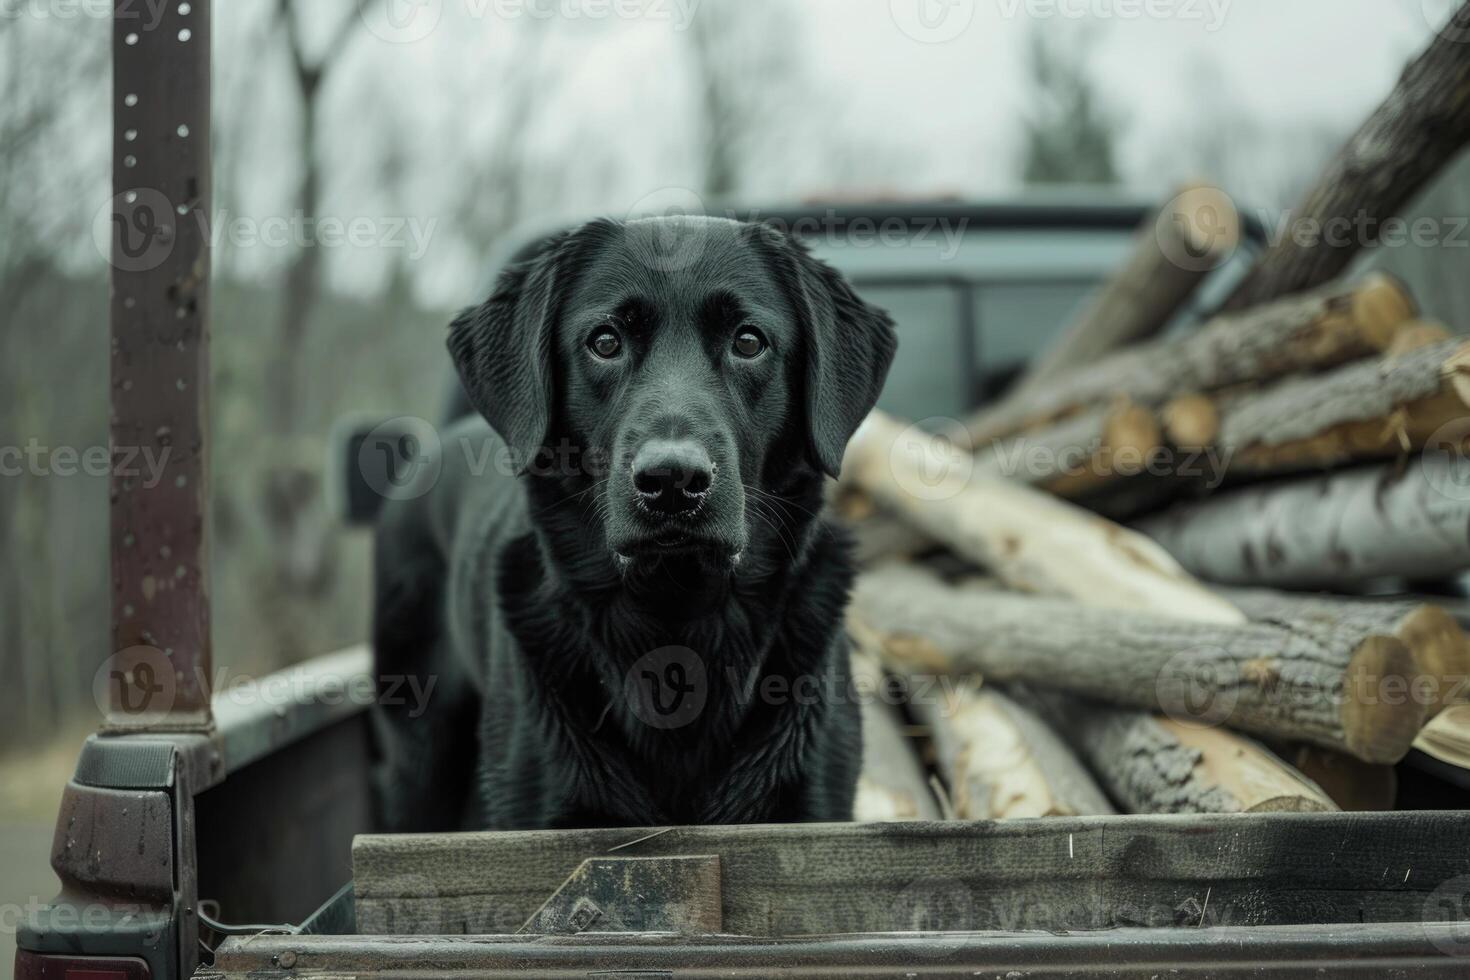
<point>168,843</point>
<point>229,852</point>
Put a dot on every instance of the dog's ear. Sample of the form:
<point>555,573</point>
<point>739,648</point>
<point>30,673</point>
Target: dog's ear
<point>503,348</point>
<point>849,346</point>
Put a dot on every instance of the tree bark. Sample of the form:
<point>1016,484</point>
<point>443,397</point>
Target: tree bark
<point>999,759</point>
<point>1420,127</point>
<point>1081,453</point>
<point>1158,765</point>
<point>1341,688</point>
<point>1322,328</point>
<point>1174,251</point>
<point>1334,531</point>
<point>1383,407</point>
<point>893,784</point>
<point>1439,646</point>
<point>1030,540</point>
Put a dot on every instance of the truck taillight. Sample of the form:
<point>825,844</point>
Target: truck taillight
<point>44,966</point>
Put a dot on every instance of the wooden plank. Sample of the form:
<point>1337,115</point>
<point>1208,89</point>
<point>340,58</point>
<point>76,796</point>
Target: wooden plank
<point>1059,873</point>
<point>1424,951</point>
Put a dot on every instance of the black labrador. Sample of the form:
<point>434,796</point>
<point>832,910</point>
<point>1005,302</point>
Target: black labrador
<point>620,588</point>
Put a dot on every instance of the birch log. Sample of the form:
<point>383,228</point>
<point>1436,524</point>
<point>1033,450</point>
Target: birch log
<point>1158,765</point>
<point>1369,409</point>
<point>893,784</point>
<point>998,758</point>
<point>1174,251</point>
<point>1333,531</point>
<point>1420,127</point>
<point>1438,644</point>
<point>1337,688</point>
<point>1315,330</point>
<point>1028,539</point>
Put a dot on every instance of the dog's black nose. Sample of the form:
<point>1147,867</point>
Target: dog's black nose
<point>672,477</point>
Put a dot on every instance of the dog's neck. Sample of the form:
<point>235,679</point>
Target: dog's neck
<point>743,622</point>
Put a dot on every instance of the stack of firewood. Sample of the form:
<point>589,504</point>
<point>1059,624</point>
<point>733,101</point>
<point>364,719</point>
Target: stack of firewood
<point>1311,435</point>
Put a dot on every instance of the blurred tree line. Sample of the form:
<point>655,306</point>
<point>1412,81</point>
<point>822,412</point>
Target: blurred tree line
<point>481,129</point>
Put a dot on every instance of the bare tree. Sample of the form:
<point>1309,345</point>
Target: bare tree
<point>1069,132</point>
<point>743,65</point>
<point>300,537</point>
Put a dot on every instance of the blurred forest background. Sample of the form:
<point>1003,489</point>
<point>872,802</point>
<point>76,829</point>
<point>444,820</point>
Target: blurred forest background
<point>494,119</point>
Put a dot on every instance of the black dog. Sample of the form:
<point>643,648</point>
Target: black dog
<point>630,610</point>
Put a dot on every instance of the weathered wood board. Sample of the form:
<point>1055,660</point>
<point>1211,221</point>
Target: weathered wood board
<point>1061,873</point>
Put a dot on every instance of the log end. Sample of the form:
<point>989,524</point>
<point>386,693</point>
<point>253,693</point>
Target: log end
<point>1380,714</point>
<point>1206,220</point>
<point>1441,651</point>
<point>1380,305</point>
<point>1414,334</point>
<point>1191,421</point>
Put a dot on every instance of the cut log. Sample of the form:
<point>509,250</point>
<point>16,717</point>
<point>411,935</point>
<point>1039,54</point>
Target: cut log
<point>1078,454</point>
<point>1439,646</point>
<point>1332,531</point>
<point>998,758</point>
<point>1350,783</point>
<point>1152,764</point>
<point>1337,688</point>
<point>1312,331</point>
<point>1377,408</point>
<point>1420,127</point>
<point>1030,540</point>
<point>1175,250</point>
<point>894,784</point>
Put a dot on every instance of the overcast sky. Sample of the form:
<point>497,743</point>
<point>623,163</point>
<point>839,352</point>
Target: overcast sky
<point>915,96</point>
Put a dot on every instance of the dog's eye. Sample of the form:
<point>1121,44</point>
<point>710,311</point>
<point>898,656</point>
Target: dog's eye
<point>749,342</point>
<point>605,344</point>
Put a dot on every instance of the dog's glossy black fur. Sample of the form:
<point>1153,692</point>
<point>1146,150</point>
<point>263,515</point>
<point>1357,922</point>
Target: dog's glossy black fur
<point>617,579</point>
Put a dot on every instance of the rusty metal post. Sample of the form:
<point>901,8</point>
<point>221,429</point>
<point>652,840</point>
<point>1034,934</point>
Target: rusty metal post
<point>158,676</point>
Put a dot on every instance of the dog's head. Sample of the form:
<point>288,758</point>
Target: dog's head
<point>687,389</point>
